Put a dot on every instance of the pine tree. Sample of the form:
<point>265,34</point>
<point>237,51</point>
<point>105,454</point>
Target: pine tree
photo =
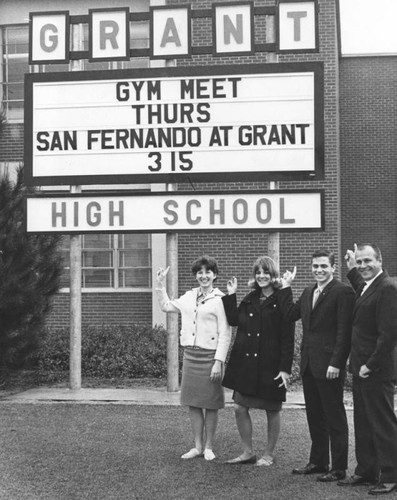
<point>30,269</point>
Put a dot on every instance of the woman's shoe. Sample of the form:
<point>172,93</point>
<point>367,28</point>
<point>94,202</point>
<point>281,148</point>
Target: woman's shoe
<point>266,461</point>
<point>209,455</point>
<point>193,453</point>
<point>242,461</point>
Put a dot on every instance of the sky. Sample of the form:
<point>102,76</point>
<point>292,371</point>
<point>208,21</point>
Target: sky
<point>368,26</point>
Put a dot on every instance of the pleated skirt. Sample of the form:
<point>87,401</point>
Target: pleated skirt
<point>196,387</point>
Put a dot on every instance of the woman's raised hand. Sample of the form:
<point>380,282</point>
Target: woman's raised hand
<point>288,277</point>
<point>232,286</point>
<point>162,275</point>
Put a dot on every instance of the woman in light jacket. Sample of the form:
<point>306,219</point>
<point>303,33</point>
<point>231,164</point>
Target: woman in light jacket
<point>205,335</point>
<point>261,357</point>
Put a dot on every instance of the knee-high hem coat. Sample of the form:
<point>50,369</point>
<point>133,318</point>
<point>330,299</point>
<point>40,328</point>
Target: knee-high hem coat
<point>263,347</point>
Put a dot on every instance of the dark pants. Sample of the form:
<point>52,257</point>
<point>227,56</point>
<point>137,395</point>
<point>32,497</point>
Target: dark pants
<point>375,427</point>
<point>326,417</point>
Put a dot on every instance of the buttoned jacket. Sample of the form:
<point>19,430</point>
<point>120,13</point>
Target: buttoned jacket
<point>326,326</point>
<point>374,335</point>
<point>263,347</point>
<point>204,324</point>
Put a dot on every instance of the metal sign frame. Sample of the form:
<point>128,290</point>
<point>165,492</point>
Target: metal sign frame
<point>316,173</point>
<point>240,198</point>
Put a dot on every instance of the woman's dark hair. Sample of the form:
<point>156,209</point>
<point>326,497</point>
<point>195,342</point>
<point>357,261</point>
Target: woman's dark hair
<point>205,261</point>
<point>268,265</point>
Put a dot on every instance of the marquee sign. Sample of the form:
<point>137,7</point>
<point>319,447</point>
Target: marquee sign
<point>176,211</point>
<point>218,123</point>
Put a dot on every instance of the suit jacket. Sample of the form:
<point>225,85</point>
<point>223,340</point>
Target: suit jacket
<point>374,336</point>
<point>326,327</point>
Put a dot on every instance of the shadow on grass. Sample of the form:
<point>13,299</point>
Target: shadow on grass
<point>62,451</point>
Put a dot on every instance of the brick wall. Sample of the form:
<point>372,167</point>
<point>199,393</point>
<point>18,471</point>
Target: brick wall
<point>104,309</point>
<point>11,142</point>
<point>368,110</point>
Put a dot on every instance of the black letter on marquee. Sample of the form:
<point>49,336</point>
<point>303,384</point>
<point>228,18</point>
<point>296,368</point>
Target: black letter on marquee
<point>302,127</point>
<point>110,35</point>
<point>42,140</point>
<point>122,94</point>
<point>297,16</point>
<point>187,87</point>
<point>170,34</point>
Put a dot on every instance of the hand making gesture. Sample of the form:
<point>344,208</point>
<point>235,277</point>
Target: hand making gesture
<point>161,276</point>
<point>350,257</point>
<point>232,286</point>
<point>288,278</point>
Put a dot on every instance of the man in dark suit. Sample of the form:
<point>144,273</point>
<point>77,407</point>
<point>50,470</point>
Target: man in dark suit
<point>326,313</point>
<point>373,365</point>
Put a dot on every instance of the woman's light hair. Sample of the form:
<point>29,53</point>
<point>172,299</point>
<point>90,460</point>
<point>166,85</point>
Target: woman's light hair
<point>268,265</point>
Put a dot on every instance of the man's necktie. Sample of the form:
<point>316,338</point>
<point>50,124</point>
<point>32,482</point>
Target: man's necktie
<point>361,289</point>
<point>364,287</point>
<point>316,295</point>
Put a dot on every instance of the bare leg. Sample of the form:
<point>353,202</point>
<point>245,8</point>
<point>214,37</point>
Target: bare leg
<point>197,423</point>
<point>273,432</point>
<point>244,426</point>
<point>211,422</point>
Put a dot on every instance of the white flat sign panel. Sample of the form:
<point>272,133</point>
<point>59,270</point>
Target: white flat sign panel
<point>164,212</point>
<point>232,124</point>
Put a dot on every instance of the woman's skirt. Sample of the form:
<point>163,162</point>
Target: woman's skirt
<point>196,387</point>
<point>255,402</point>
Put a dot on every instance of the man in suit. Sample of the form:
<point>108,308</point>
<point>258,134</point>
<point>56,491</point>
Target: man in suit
<point>326,313</point>
<point>373,365</point>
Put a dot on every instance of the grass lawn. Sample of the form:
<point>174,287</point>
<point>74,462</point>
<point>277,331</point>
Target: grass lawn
<point>58,451</point>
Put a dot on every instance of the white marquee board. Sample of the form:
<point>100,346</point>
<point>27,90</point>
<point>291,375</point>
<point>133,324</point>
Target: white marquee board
<point>176,211</point>
<point>175,125</point>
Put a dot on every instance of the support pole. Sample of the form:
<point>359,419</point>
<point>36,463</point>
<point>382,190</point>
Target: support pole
<point>273,242</point>
<point>172,288</point>
<point>75,310</point>
<point>172,318</point>
<point>75,262</point>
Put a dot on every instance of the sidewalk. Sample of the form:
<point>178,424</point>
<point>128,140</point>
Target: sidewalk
<point>131,396</point>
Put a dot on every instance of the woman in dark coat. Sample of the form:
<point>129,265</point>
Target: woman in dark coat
<point>261,357</point>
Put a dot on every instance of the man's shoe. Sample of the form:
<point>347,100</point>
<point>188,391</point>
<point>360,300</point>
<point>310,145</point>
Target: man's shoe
<point>332,475</point>
<point>311,469</point>
<point>382,488</point>
<point>355,480</point>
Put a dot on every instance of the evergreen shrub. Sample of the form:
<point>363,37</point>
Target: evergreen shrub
<point>108,351</point>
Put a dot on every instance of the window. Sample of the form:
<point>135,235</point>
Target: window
<point>14,65</point>
<point>117,261</point>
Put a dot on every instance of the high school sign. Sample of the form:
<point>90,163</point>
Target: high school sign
<point>177,211</point>
<point>216,123</point>
<point>233,31</point>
